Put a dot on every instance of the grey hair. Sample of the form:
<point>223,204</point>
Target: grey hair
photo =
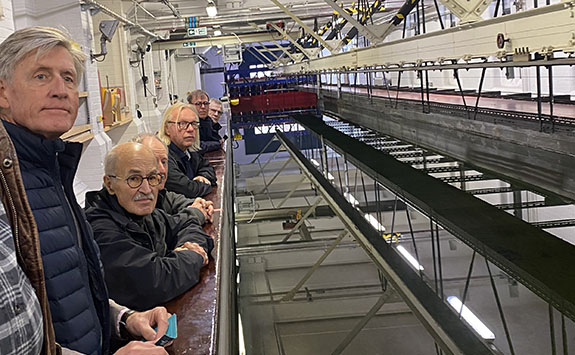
<point>196,93</point>
<point>174,111</point>
<point>141,137</point>
<point>216,101</point>
<point>110,162</point>
<point>40,39</point>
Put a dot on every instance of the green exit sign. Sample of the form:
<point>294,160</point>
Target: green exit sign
<point>198,31</point>
<point>189,44</point>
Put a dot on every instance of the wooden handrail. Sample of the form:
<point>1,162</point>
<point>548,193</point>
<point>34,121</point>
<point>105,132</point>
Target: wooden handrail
<point>197,308</point>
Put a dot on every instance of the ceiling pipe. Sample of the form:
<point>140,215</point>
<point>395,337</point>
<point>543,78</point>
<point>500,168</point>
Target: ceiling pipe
<point>122,19</point>
<point>171,7</point>
<point>221,21</point>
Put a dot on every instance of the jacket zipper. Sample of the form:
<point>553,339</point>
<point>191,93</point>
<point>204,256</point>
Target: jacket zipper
<point>14,213</point>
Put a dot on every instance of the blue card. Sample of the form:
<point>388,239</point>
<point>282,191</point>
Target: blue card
<point>171,333</point>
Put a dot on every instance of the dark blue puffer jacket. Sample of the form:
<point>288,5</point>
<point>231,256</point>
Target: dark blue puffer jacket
<point>72,268</point>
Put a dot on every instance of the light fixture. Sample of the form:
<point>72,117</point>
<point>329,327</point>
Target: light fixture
<point>471,318</point>
<point>211,9</point>
<point>409,258</point>
<point>217,33</point>
<point>374,222</point>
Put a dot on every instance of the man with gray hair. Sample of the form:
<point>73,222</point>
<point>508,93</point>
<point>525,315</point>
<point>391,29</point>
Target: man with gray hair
<point>149,257</point>
<point>172,202</point>
<point>40,68</point>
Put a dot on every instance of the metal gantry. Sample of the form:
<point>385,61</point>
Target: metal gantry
<point>360,189</point>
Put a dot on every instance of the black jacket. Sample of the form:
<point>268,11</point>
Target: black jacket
<point>181,172</point>
<point>72,270</point>
<point>209,138</point>
<point>178,206</point>
<point>141,269</point>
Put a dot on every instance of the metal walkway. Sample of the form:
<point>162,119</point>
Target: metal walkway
<point>536,258</point>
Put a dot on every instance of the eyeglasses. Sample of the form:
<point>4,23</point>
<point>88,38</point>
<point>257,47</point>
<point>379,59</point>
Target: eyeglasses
<point>135,181</point>
<point>201,103</point>
<point>183,125</point>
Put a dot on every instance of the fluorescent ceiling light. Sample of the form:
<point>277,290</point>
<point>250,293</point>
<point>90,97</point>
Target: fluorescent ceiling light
<point>351,199</point>
<point>373,221</point>
<point>409,258</point>
<point>217,33</point>
<point>314,162</point>
<point>471,318</point>
<point>211,9</point>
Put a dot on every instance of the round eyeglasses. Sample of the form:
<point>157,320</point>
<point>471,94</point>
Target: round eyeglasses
<point>182,125</point>
<point>135,181</point>
<point>201,103</point>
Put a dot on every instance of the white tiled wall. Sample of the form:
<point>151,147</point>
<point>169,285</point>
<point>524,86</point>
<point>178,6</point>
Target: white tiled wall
<point>6,21</point>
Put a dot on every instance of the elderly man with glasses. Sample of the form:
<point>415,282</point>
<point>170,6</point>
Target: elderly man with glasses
<point>189,173</point>
<point>209,141</point>
<point>149,257</point>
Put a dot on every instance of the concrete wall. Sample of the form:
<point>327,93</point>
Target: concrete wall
<point>187,73</point>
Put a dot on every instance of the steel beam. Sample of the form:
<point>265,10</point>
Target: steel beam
<point>292,41</point>
<point>302,220</point>
<point>365,31</point>
<point>303,25</point>
<point>440,321</point>
<point>542,30</point>
<point>269,51</point>
<point>274,177</point>
<point>285,51</point>
<point>290,295</point>
<point>359,326</point>
<point>492,232</point>
<point>291,192</point>
<point>220,40</point>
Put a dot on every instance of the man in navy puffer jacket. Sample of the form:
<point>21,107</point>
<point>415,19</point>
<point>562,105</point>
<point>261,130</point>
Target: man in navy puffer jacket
<point>40,69</point>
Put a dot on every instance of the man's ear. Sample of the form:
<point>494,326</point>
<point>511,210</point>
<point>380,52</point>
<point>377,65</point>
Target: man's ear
<point>4,103</point>
<point>108,184</point>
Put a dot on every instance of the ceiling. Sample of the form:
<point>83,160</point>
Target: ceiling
<point>235,16</point>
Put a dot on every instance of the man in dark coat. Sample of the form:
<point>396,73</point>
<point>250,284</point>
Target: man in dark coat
<point>40,69</point>
<point>149,257</point>
<point>172,202</point>
<point>209,141</point>
<point>189,173</point>
<point>215,113</point>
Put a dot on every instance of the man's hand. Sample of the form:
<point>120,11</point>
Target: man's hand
<point>194,247</point>
<point>207,208</point>
<point>140,347</point>
<point>142,324</point>
<point>203,179</point>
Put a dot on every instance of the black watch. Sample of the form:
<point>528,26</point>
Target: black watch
<point>124,334</point>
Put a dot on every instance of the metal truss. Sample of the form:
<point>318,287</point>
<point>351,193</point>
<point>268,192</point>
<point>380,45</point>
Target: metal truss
<point>452,336</point>
<point>541,30</point>
<point>222,40</point>
<point>493,237</point>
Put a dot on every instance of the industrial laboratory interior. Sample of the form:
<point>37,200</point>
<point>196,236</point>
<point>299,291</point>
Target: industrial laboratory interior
<point>395,177</point>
